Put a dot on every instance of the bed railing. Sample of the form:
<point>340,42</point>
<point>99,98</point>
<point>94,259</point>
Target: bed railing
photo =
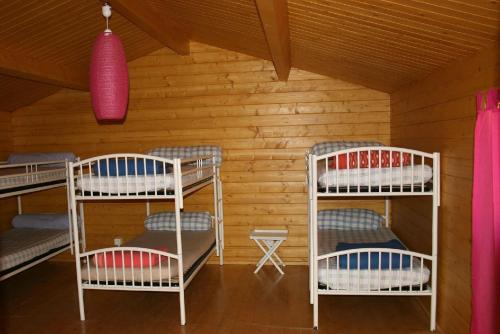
<point>375,170</point>
<point>136,176</point>
<point>129,268</point>
<point>374,271</point>
<point>33,173</point>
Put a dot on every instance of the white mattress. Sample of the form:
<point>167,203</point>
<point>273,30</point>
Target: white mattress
<point>13,178</point>
<point>373,176</point>
<point>19,245</point>
<point>369,280</point>
<point>132,184</point>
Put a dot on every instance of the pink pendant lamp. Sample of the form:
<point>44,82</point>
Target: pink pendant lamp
<point>109,75</point>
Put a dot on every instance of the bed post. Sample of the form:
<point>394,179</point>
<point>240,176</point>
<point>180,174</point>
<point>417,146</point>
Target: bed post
<point>19,205</point>
<point>221,210</point>
<point>68,202</point>
<point>435,204</point>
<point>215,218</point>
<point>74,221</point>
<point>314,216</point>
<point>219,231</point>
<point>178,236</point>
<point>82,226</point>
<point>309,225</point>
<point>387,212</point>
<point>216,209</point>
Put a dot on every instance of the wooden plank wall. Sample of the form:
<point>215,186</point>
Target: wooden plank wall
<point>438,114</point>
<point>220,97</point>
<point>5,135</point>
<point>7,205</point>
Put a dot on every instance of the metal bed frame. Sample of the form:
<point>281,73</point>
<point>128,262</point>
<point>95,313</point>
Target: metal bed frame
<point>375,188</point>
<point>35,180</point>
<point>189,176</point>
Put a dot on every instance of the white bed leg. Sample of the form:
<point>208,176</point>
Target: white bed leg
<point>315,311</point>
<point>311,261</point>
<point>182,307</point>
<point>81,304</point>
<point>433,310</point>
<point>221,255</point>
<point>314,240</point>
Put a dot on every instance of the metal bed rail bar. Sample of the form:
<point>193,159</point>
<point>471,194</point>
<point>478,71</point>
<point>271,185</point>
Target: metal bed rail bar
<point>33,173</point>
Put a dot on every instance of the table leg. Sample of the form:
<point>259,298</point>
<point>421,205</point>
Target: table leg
<point>268,256</point>
<point>269,243</point>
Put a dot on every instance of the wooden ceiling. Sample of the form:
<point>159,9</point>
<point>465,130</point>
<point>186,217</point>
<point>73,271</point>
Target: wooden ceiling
<point>53,38</point>
<point>382,44</point>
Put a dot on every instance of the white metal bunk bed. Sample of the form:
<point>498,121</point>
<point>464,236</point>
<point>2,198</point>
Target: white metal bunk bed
<point>144,264</point>
<point>34,238</point>
<point>355,256</point>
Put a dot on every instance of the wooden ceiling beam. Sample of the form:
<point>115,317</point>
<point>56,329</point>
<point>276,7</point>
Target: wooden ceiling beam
<point>274,18</point>
<point>143,16</point>
<point>22,66</point>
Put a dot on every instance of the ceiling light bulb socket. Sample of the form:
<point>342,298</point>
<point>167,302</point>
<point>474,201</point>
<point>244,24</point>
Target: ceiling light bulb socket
<point>106,10</point>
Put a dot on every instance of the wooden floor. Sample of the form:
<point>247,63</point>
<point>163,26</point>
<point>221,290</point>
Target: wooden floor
<point>229,299</point>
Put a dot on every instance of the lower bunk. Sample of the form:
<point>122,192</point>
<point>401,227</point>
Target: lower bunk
<point>32,239</point>
<point>151,261</point>
<point>358,255</point>
<point>148,260</point>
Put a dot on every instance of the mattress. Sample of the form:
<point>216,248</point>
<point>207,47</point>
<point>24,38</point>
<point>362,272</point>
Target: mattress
<point>195,245</point>
<point>374,176</point>
<point>133,184</point>
<point>20,245</point>
<point>18,177</point>
<point>369,280</point>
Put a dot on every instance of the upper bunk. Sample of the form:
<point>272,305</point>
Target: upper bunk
<point>30,172</point>
<point>371,169</point>
<point>162,173</point>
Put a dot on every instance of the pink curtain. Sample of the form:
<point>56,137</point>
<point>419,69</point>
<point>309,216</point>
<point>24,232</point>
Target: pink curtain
<point>486,216</point>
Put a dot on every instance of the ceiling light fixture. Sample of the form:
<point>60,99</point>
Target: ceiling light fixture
<point>109,82</point>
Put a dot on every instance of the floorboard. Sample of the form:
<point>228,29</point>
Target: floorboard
<point>229,299</point>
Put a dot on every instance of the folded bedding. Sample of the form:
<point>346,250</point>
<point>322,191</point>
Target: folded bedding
<point>383,259</point>
<point>122,167</point>
<point>41,220</point>
<point>22,158</point>
<point>190,221</point>
<point>334,146</point>
<point>186,152</point>
<point>350,218</point>
<point>134,259</point>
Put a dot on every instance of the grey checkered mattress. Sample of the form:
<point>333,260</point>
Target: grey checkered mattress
<point>194,245</point>
<point>343,279</point>
<point>17,177</point>
<point>19,245</point>
<point>183,152</point>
